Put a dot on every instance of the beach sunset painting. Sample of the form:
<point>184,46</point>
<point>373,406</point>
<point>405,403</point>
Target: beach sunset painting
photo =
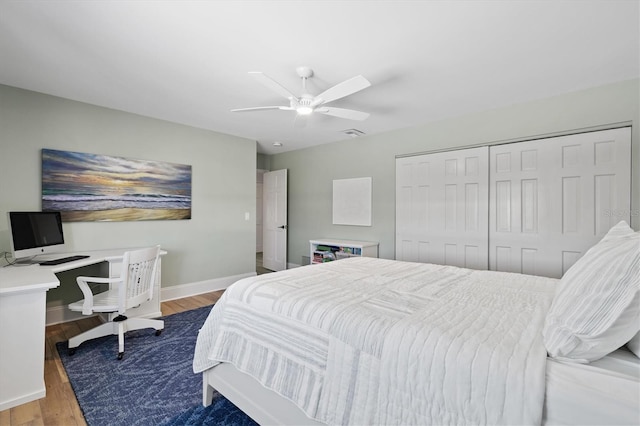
<point>93,187</point>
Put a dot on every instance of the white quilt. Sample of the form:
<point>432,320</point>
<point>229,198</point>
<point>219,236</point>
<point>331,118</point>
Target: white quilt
<point>374,341</point>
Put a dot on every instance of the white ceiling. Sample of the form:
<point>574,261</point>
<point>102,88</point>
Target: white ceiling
<point>187,61</point>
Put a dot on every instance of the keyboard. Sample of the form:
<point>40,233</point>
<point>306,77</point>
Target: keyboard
<point>63,260</point>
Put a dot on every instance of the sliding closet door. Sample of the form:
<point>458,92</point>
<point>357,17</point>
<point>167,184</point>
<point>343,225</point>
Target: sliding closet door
<point>441,208</point>
<point>552,199</point>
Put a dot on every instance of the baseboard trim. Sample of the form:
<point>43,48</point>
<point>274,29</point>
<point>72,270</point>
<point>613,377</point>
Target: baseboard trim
<point>5,405</point>
<point>193,289</point>
<point>60,314</point>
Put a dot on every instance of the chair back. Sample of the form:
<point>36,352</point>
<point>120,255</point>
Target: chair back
<point>139,269</point>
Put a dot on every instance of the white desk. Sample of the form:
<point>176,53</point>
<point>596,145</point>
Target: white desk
<point>23,291</point>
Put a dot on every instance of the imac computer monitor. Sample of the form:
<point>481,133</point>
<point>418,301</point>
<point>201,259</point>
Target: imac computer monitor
<point>34,233</point>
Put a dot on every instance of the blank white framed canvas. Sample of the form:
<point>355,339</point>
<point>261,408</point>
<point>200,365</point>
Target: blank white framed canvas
<point>352,201</point>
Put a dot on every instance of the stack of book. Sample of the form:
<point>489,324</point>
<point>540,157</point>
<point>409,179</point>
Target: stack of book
<point>324,254</point>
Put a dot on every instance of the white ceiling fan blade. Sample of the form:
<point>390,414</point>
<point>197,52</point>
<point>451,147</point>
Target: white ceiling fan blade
<point>349,114</point>
<point>285,108</point>
<point>341,90</point>
<point>272,84</point>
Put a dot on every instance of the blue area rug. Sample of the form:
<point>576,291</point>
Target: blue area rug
<point>153,384</point>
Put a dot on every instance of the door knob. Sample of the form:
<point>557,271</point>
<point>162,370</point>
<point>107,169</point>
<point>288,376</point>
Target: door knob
<point>283,227</point>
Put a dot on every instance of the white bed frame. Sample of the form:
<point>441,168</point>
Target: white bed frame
<point>263,405</point>
<point>610,398</point>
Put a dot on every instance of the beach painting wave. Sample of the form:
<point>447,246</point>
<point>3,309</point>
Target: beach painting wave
<point>93,187</point>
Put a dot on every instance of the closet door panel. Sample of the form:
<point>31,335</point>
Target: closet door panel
<point>413,206</point>
<point>595,178</point>
<point>441,208</point>
<point>552,199</point>
<point>514,206</point>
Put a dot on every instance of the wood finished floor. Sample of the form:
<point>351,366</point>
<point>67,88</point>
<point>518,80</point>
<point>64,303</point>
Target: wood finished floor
<point>60,406</point>
<point>259,268</point>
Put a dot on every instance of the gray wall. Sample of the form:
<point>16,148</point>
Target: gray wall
<point>264,162</point>
<point>312,171</point>
<point>217,242</point>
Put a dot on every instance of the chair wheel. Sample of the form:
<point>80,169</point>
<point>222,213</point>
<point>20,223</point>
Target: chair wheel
<point>120,355</point>
<point>71,351</point>
<point>158,332</point>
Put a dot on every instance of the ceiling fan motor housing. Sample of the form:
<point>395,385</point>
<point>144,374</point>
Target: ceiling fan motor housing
<point>305,106</point>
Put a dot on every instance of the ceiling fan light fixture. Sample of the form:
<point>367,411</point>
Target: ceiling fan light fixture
<point>306,103</point>
<point>304,110</point>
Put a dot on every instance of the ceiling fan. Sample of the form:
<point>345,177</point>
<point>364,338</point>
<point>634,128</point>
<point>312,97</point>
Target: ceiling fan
<point>306,103</point>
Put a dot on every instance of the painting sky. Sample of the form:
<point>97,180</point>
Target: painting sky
<point>65,172</point>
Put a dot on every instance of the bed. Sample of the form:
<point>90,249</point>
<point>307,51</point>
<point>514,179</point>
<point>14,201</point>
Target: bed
<point>376,341</point>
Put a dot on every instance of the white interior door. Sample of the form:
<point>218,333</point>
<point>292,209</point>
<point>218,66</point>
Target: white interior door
<point>552,199</point>
<point>274,241</point>
<point>259,210</point>
<point>442,208</point>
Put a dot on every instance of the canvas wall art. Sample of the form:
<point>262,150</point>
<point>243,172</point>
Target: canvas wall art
<point>352,201</point>
<point>93,187</point>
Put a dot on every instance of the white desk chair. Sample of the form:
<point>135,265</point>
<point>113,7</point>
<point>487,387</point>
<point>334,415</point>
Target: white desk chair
<point>133,287</point>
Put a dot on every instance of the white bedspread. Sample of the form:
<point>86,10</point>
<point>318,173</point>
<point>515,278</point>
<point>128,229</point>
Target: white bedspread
<point>374,341</point>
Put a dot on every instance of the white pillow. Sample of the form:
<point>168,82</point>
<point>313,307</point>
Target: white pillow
<point>596,308</point>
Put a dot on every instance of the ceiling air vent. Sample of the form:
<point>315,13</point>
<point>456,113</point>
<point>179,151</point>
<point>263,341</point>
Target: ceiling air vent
<point>354,133</point>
